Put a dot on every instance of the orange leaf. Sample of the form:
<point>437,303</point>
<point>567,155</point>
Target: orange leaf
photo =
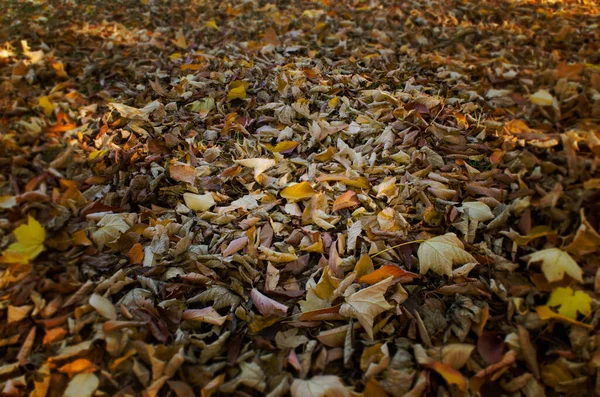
<point>136,254</point>
<point>183,173</point>
<point>386,271</point>
<point>53,335</point>
<point>212,386</point>
<point>79,238</point>
<point>374,389</point>
<point>78,366</point>
<point>346,200</point>
<point>450,375</point>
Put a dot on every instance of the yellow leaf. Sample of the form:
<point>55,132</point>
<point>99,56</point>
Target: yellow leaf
<point>30,243</point>
<point>212,24</point>
<point>542,98</point>
<point>237,90</point>
<point>180,40</point>
<point>545,313</point>
<point>439,253</point>
<point>367,303</point>
<point>299,191</point>
<point>45,103</point>
<point>199,202</point>
<point>570,303</point>
<point>359,182</point>
<point>282,146</point>
<point>450,375</point>
<point>555,263</point>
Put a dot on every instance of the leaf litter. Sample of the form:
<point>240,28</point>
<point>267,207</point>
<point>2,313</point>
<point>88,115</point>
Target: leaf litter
<point>306,198</point>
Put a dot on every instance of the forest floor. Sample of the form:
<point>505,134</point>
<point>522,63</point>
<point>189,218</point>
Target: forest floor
<point>306,198</point>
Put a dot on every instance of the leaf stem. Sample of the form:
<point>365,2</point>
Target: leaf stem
<point>396,246</point>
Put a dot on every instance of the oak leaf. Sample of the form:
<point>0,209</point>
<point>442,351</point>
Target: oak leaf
<point>439,253</point>
<point>367,303</point>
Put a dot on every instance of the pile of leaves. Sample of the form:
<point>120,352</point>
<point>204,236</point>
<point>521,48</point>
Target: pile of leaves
<point>317,198</point>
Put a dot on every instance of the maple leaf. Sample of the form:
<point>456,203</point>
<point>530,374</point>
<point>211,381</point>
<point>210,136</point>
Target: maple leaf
<point>569,302</point>
<point>439,253</point>
<point>30,243</point>
<point>555,263</point>
<point>367,303</point>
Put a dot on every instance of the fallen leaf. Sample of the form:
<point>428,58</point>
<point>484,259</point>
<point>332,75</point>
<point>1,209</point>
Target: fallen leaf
<point>569,302</point>
<point>478,211</point>
<point>440,253</point>
<point>297,192</point>
<point>82,385</point>
<point>542,98</point>
<point>267,305</point>
<point>206,315</point>
<point>556,263</point>
<point>450,375</point>
<point>103,306</point>
<point>237,90</point>
<point>367,303</point>
<point>259,165</point>
<point>30,243</point>
<point>111,226</point>
<point>386,271</point>
<point>319,386</point>
<point>199,202</point>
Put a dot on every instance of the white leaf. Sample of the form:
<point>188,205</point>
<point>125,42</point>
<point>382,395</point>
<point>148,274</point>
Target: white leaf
<point>103,306</point>
<point>478,211</point>
<point>259,165</point>
<point>82,385</point>
<point>542,98</point>
<point>319,386</point>
<point>198,202</point>
<point>439,253</point>
<point>555,263</point>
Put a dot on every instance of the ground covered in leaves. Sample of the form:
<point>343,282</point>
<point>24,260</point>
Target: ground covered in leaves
<point>306,198</point>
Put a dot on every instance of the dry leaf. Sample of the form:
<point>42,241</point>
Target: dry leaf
<point>199,202</point>
<point>297,192</point>
<point>30,243</point>
<point>319,386</point>
<point>367,303</point>
<point>556,263</point>
<point>440,253</point>
<point>267,305</point>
